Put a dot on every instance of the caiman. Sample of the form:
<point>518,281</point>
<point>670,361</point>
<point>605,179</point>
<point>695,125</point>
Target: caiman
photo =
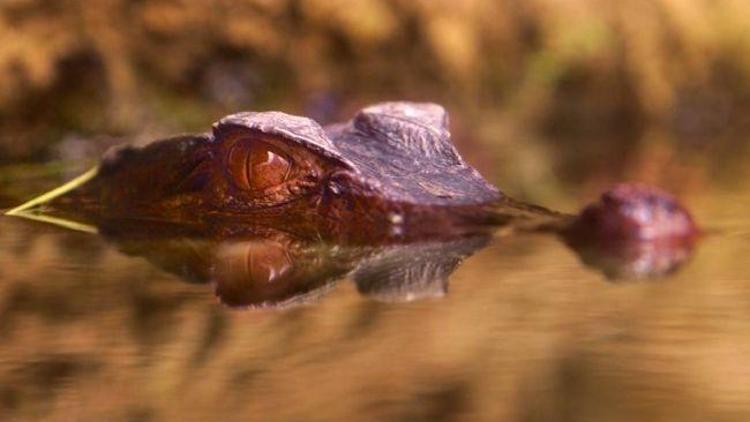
<point>391,172</point>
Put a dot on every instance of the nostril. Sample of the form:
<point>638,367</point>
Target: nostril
<point>633,232</point>
<point>637,212</point>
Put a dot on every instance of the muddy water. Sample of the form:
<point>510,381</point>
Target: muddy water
<point>508,327</point>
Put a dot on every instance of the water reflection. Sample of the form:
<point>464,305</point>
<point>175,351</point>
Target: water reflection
<point>633,260</point>
<point>264,267</point>
<point>526,333</point>
<point>272,272</point>
<point>415,271</point>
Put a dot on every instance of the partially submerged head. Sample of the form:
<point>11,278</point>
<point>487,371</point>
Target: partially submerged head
<point>393,164</point>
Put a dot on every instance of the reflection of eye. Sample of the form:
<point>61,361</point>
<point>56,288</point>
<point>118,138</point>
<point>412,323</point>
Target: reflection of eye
<point>255,272</point>
<point>266,262</point>
<point>256,166</point>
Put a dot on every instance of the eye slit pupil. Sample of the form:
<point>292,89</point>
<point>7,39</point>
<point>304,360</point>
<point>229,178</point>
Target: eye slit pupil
<point>237,162</point>
<point>258,167</point>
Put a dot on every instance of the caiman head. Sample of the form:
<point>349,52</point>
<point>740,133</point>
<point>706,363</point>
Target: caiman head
<point>390,169</point>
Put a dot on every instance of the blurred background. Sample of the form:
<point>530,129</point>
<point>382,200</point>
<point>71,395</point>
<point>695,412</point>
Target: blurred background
<point>545,96</point>
<point>552,100</point>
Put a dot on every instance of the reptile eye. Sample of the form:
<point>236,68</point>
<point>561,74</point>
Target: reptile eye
<point>257,166</point>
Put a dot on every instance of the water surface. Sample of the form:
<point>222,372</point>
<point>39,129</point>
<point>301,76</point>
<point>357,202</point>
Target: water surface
<point>93,328</point>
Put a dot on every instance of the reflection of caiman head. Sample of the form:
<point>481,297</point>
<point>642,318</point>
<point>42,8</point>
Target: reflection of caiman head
<point>269,268</point>
<point>391,169</point>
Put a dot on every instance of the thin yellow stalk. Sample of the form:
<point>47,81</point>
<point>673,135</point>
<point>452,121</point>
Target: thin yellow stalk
<point>68,224</point>
<point>54,193</point>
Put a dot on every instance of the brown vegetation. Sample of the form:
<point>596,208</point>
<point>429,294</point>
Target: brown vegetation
<point>588,67</point>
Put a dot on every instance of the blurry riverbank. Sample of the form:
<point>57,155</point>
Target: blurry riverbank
<point>543,94</point>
